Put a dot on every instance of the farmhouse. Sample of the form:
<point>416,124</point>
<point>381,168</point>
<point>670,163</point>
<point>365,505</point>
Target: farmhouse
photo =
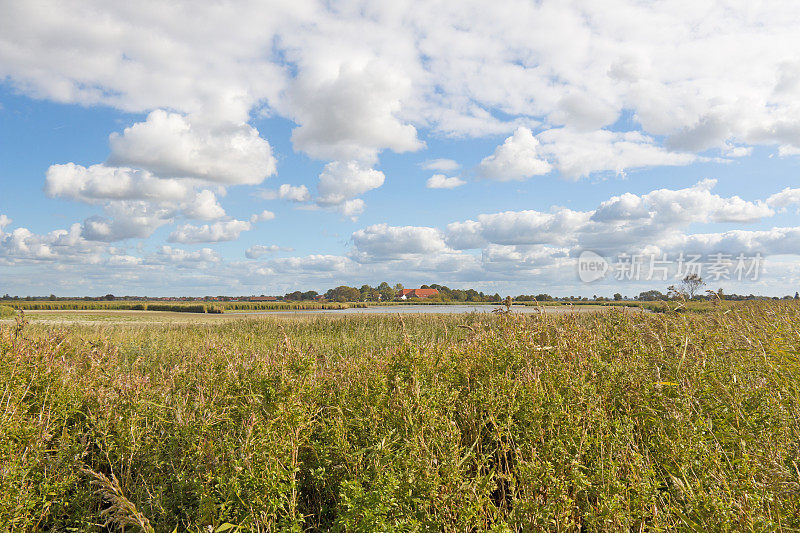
<point>406,294</point>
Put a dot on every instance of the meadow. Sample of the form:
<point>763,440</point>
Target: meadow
<point>597,421</point>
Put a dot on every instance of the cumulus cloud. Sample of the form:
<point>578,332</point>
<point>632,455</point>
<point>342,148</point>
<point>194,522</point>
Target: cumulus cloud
<point>261,217</point>
<point>22,246</point>
<point>169,254</point>
<point>578,154</point>
<point>101,183</point>
<point>516,159</point>
<point>313,264</point>
<point>517,227</point>
<point>340,182</point>
<point>171,145</point>
<point>440,181</point>
<point>785,198</point>
<point>350,113</point>
<point>217,232</point>
<point>259,250</point>
<point>381,241</point>
<point>622,221</point>
<point>125,220</point>
<point>294,193</point>
<point>204,206</point>
<point>358,80</point>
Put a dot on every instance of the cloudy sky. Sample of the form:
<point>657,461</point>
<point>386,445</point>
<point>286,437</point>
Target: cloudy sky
<point>236,147</point>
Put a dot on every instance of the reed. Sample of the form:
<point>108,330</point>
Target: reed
<point>615,420</point>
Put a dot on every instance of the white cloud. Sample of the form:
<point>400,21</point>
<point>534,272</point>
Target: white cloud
<point>216,232</point>
<point>259,250</point>
<point>263,216</point>
<point>785,198</point>
<point>101,183</point>
<point>315,264</point>
<point>169,254</point>
<point>351,112</point>
<point>381,241</point>
<point>518,227</point>
<point>172,145</point>
<point>21,246</point>
<point>699,204</point>
<point>516,159</point>
<point>578,154</point>
<point>443,165</point>
<point>440,181</point>
<point>294,193</point>
<point>361,79</point>
<point>341,181</point>
<point>622,222</point>
<point>204,206</point>
<point>4,221</point>
<point>351,208</point>
<point>125,220</point>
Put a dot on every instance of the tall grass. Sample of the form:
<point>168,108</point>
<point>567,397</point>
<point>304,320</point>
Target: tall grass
<point>616,420</point>
<point>176,306</point>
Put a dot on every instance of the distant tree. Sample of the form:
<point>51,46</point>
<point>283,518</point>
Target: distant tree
<point>649,296</point>
<point>797,295</point>
<point>398,287</point>
<point>310,295</point>
<point>459,295</point>
<point>617,297</point>
<point>688,286</point>
<point>52,297</point>
<point>386,291</point>
<point>343,293</point>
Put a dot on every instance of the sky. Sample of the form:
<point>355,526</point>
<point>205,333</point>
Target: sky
<point>238,147</point>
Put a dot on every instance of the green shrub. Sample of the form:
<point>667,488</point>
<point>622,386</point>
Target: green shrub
<point>606,421</point>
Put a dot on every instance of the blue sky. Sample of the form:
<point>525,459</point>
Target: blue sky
<point>241,149</point>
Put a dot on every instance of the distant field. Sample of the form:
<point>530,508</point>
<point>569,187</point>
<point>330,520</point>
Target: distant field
<point>173,306</point>
<point>592,421</point>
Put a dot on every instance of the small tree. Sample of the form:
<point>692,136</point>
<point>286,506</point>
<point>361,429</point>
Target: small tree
<point>617,297</point>
<point>688,287</point>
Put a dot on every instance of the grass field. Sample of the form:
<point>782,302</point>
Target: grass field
<point>598,421</point>
<point>171,306</point>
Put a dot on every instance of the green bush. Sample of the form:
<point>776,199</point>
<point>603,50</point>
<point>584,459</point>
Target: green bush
<point>177,308</point>
<point>604,421</point>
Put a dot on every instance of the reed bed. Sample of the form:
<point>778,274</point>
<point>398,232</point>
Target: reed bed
<point>608,421</point>
<point>176,306</point>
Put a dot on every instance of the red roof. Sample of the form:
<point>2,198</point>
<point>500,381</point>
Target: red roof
<point>418,293</point>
